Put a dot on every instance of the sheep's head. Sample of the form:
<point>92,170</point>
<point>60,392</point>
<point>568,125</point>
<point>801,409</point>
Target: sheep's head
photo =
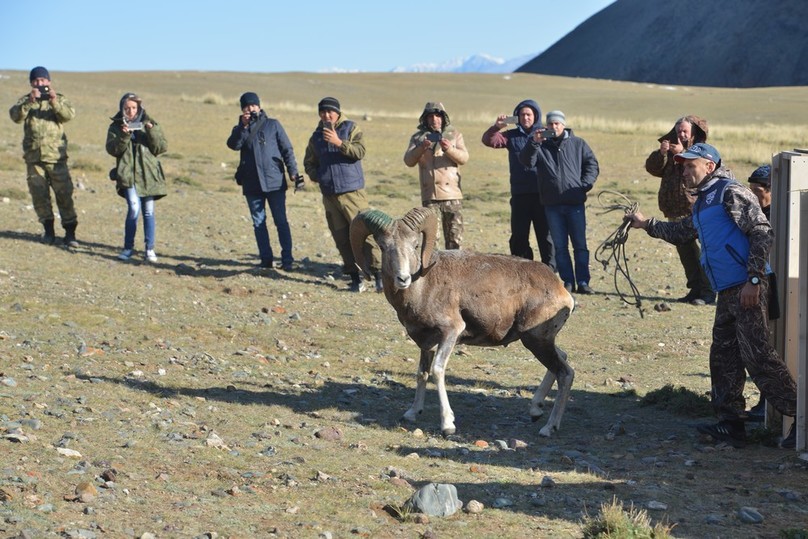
<point>407,244</point>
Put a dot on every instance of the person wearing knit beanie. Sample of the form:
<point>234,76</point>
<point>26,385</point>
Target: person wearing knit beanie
<point>556,116</point>
<point>249,98</point>
<point>329,103</point>
<point>43,113</point>
<point>334,162</point>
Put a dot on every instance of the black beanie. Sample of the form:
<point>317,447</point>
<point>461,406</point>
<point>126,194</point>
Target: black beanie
<point>38,72</point>
<point>249,98</point>
<point>329,103</point>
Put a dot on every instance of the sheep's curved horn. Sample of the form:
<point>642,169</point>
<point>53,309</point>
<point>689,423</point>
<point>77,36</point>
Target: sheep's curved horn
<point>363,225</point>
<point>424,220</point>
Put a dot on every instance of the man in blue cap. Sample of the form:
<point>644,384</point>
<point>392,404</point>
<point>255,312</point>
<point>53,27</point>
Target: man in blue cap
<point>44,145</point>
<point>735,240</point>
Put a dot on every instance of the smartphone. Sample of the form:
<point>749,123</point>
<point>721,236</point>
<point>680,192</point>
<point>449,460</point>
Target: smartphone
<point>433,136</point>
<point>134,126</point>
<point>328,125</point>
<point>510,119</point>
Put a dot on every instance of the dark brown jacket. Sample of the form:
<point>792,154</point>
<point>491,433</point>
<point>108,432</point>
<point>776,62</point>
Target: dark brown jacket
<point>674,201</point>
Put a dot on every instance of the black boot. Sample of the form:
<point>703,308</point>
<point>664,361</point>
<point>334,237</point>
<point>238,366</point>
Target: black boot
<point>49,236</point>
<point>70,235</point>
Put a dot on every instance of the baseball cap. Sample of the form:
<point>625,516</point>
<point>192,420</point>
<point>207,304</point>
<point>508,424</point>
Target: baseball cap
<point>700,149</point>
<point>762,175</point>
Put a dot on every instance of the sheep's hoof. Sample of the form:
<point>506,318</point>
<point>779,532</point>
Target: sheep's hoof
<point>409,417</point>
<point>546,431</point>
<point>448,431</point>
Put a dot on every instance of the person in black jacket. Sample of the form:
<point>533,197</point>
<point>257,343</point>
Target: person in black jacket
<point>526,206</point>
<point>567,170</point>
<point>266,157</point>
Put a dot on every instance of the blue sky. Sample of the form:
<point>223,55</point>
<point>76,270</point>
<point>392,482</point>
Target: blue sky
<point>276,36</point>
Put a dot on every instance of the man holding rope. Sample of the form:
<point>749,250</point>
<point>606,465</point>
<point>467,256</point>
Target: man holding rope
<point>735,238</point>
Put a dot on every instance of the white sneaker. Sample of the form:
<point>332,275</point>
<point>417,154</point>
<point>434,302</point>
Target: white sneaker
<point>151,256</point>
<point>126,254</point>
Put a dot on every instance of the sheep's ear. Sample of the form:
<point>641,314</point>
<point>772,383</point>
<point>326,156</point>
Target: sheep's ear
<point>359,233</point>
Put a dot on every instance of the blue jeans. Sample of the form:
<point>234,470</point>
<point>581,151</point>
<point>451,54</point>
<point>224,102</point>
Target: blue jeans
<point>130,227</point>
<point>258,212</point>
<point>568,222</point>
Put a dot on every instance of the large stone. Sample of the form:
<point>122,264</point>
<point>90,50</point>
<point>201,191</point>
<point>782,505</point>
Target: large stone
<point>434,499</point>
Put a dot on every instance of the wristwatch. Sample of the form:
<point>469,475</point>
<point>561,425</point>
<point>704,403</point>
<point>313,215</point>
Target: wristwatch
<point>754,279</point>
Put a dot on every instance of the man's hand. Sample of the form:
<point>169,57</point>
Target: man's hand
<point>750,295</point>
<point>636,219</point>
<point>331,137</point>
<point>500,122</point>
<point>244,119</point>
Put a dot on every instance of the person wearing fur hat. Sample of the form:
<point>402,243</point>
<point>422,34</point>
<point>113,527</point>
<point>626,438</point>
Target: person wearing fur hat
<point>43,113</point>
<point>135,140</point>
<point>267,157</point>
<point>438,149</point>
<point>526,206</point>
<point>334,161</point>
<point>675,201</point>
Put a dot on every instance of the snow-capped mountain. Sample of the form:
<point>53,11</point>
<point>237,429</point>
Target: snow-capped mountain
<point>478,63</point>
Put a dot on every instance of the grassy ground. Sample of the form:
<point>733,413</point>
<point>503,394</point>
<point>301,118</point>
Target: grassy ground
<point>201,381</point>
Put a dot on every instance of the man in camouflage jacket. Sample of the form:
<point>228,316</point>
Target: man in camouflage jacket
<point>735,239</point>
<point>43,113</point>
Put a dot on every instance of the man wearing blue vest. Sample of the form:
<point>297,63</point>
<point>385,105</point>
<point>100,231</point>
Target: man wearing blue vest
<point>735,240</point>
<point>333,161</point>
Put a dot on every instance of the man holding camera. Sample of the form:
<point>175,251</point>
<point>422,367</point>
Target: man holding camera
<point>526,206</point>
<point>44,144</point>
<point>266,156</point>
<point>334,161</point>
<point>438,150</point>
<point>567,170</point>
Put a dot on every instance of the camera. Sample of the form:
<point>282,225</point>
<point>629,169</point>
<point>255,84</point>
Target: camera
<point>510,119</point>
<point>44,92</point>
<point>253,116</point>
<point>433,136</point>
<point>548,133</point>
<point>134,126</point>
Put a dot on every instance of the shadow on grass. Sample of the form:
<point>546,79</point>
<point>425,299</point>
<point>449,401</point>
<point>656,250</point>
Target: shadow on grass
<point>380,402</point>
<point>192,266</point>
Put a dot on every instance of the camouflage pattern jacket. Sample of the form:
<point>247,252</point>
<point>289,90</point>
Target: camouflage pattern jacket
<point>44,139</point>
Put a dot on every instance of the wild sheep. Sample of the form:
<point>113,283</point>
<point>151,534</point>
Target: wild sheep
<point>443,298</point>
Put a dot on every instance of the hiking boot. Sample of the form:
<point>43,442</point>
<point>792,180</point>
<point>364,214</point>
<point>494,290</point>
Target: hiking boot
<point>49,236</point>
<point>731,432</point>
<point>265,263</point>
<point>70,235</point>
<point>584,288</point>
<point>757,413</point>
<point>126,254</point>
<point>357,284</point>
<point>379,282</point>
<point>150,256</point>
<point>689,297</point>
<point>790,441</point>
<point>287,266</point>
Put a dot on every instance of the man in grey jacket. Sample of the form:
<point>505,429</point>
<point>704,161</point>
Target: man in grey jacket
<point>567,170</point>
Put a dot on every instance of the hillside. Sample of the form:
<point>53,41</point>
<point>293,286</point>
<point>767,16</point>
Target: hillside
<point>723,43</point>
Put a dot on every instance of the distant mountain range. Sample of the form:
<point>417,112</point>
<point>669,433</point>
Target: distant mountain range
<point>478,63</point>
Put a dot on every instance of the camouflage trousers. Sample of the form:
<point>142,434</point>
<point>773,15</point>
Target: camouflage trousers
<point>741,343</point>
<point>452,220</point>
<point>42,177</point>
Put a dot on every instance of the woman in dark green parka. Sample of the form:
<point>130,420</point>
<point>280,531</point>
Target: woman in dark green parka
<point>135,140</point>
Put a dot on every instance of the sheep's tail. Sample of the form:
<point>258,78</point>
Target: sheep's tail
<point>363,225</point>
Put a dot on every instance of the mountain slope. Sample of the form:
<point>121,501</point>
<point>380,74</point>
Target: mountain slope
<point>725,43</point>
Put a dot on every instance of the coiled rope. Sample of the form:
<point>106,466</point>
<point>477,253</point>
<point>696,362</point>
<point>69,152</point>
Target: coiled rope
<point>613,248</point>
